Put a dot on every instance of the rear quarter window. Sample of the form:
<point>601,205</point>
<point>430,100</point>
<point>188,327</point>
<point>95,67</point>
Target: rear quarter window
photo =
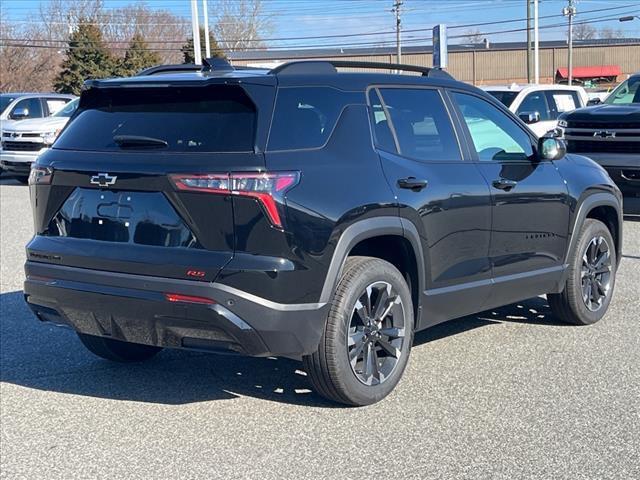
<point>304,117</point>
<point>189,119</point>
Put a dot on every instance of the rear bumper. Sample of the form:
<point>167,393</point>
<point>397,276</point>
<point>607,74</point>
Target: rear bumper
<point>133,308</point>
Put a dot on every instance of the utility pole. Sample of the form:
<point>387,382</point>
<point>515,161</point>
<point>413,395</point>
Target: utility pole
<point>205,20</point>
<point>536,43</point>
<point>528,41</point>
<point>570,11</point>
<point>195,24</point>
<point>396,9</point>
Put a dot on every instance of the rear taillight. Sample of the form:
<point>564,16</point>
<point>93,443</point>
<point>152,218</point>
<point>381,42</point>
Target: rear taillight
<point>40,176</point>
<point>268,188</point>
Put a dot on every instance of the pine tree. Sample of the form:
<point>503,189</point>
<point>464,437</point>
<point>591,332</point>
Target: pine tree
<point>187,48</point>
<point>137,57</point>
<point>86,57</point>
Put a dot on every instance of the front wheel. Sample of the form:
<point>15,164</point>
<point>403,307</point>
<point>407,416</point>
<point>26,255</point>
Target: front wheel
<point>367,339</point>
<point>591,277</point>
<point>116,350</point>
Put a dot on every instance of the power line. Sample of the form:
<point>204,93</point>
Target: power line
<point>10,42</point>
<point>346,35</point>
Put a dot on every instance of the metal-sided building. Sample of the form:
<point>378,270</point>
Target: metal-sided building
<point>482,64</point>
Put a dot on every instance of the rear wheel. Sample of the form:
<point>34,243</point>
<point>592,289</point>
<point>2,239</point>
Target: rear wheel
<point>23,179</point>
<point>591,277</point>
<point>367,339</point>
<point>117,351</point>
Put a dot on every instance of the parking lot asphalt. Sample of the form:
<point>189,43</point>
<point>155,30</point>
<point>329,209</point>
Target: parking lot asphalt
<point>509,393</point>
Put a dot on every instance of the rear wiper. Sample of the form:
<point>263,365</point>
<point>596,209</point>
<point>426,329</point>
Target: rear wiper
<point>138,141</point>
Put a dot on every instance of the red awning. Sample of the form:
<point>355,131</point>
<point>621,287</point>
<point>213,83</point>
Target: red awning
<point>591,72</point>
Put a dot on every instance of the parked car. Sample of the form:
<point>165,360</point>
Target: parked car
<point>609,133</point>
<point>21,106</point>
<point>540,105</point>
<point>24,140</point>
<point>308,213</point>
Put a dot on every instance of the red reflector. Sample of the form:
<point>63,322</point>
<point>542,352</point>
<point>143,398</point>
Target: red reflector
<point>178,297</point>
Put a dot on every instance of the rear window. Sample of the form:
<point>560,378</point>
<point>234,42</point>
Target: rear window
<point>190,119</point>
<point>304,117</point>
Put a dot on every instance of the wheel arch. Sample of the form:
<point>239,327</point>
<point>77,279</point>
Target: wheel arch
<point>388,238</point>
<point>601,206</point>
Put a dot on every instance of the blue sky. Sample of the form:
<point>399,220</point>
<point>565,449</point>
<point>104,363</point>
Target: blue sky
<point>304,18</point>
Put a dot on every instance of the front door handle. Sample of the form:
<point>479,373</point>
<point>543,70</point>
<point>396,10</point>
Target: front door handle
<point>504,184</point>
<point>412,183</point>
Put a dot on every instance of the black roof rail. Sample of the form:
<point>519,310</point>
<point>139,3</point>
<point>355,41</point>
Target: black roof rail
<point>184,67</point>
<point>208,64</point>
<point>331,66</point>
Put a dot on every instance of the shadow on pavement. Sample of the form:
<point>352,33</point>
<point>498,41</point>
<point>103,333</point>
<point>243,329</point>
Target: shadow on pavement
<point>45,357</point>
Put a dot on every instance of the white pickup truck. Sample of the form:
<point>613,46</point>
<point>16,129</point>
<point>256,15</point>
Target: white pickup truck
<point>24,140</point>
<point>539,106</point>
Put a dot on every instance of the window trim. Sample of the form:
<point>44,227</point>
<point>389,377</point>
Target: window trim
<point>467,134</point>
<point>452,121</point>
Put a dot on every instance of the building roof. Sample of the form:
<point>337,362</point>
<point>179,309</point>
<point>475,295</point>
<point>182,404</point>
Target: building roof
<point>336,52</point>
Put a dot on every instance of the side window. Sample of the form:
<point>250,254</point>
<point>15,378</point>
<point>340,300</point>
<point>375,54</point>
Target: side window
<point>304,117</point>
<point>562,101</point>
<point>535,102</point>
<point>421,124</point>
<point>54,105</point>
<point>32,105</point>
<point>496,137</point>
<point>381,130</point>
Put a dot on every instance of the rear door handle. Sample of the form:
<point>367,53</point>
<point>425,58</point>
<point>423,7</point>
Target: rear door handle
<point>412,183</point>
<point>504,184</point>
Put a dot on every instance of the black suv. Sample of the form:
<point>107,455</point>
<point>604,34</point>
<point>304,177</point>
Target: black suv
<point>308,213</point>
<point>609,133</point>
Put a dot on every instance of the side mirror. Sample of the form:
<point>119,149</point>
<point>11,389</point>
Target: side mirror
<point>20,113</point>
<point>529,117</point>
<point>594,101</point>
<point>551,148</point>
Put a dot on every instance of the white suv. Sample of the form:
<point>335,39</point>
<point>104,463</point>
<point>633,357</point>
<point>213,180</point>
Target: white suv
<point>24,140</point>
<point>539,105</point>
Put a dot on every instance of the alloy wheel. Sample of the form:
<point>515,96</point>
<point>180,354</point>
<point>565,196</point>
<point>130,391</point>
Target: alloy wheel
<point>596,273</point>
<point>376,333</point>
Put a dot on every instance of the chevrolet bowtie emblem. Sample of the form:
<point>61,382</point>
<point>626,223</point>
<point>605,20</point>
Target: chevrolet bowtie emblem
<point>103,179</point>
<point>604,134</point>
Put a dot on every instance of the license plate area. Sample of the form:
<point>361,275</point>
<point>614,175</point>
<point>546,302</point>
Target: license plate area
<point>141,218</point>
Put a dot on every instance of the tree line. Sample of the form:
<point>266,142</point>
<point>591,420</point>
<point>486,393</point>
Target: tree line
<point>63,43</point>
<point>87,56</point>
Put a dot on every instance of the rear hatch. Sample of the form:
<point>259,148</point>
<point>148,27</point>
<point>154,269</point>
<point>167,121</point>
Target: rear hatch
<point>115,192</point>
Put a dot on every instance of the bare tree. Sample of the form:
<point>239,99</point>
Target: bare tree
<point>584,31</point>
<point>610,33</point>
<point>161,30</point>
<point>23,66</point>
<point>473,36</point>
<point>240,24</point>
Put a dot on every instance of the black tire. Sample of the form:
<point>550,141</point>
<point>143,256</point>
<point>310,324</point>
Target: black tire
<point>570,305</point>
<point>24,180</point>
<point>329,369</point>
<point>117,351</point>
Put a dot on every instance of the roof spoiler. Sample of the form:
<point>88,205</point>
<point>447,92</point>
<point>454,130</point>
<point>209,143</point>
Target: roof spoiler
<point>212,64</point>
